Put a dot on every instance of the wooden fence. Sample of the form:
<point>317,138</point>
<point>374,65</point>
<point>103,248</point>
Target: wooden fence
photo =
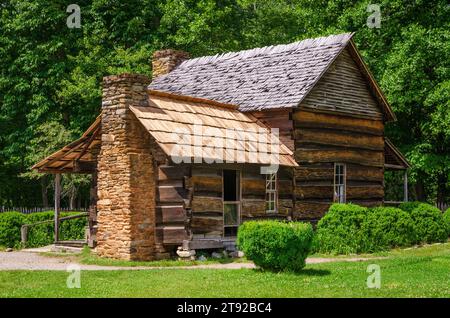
<point>28,210</point>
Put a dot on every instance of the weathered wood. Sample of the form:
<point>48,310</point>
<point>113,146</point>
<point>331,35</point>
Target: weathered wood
<point>200,244</point>
<point>314,192</point>
<point>171,194</point>
<point>364,192</point>
<point>307,136</point>
<point>253,187</point>
<point>363,157</point>
<point>171,234</point>
<point>364,173</point>
<point>343,89</point>
<point>57,205</point>
<point>311,119</point>
<point>310,210</point>
<point>172,172</point>
<point>253,207</point>
<point>206,224</point>
<point>170,214</point>
<point>405,186</point>
<point>314,172</point>
<point>207,183</point>
<point>206,204</point>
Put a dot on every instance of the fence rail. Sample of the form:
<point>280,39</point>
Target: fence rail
<point>29,210</point>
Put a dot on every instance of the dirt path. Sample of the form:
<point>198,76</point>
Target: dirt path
<point>21,260</point>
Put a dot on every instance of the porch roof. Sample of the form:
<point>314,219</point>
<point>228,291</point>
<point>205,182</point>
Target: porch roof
<point>195,128</point>
<point>75,157</point>
<point>393,158</point>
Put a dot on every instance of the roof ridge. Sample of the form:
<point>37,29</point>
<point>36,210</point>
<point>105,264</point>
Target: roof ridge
<point>272,49</point>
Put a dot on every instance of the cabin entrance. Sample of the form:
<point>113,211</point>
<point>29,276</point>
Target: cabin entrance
<point>231,202</point>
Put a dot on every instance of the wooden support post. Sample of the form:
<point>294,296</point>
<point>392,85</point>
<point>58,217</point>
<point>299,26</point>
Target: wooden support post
<point>405,186</point>
<point>57,204</point>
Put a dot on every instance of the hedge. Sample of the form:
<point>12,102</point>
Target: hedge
<point>340,230</point>
<point>387,227</point>
<point>276,245</point>
<point>38,235</point>
<point>429,224</point>
<point>447,220</point>
<point>349,228</point>
<point>10,224</point>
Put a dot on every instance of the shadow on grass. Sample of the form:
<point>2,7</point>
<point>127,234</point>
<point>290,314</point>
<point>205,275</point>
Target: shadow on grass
<point>303,272</point>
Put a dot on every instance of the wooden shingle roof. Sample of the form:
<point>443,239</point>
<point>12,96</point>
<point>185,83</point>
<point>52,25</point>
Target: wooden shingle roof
<point>209,131</point>
<point>262,78</point>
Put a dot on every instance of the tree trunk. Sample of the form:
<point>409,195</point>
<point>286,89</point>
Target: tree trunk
<point>44,191</point>
<point>420,190</point>
<point>72,199</point>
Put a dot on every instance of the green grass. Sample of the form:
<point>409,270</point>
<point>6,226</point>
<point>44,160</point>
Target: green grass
<point>88,258</point>
<point>418,272</point>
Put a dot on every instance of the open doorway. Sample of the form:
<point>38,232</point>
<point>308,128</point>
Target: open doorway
<point>231,202</point>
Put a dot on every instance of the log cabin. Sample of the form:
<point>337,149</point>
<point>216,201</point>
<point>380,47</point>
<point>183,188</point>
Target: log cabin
<point>166,174</point>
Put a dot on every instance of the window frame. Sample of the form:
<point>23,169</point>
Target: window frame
<point>271,192</point>
<point>340,198</point>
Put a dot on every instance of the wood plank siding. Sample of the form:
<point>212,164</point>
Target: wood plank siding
<point>338,122</point>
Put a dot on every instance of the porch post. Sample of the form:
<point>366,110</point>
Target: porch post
<point>405,186</point>
<point>57,204</point>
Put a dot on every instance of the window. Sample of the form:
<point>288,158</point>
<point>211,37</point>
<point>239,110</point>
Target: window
<point>339,182</point>
<point>231,202</point>
<point>271,193</point>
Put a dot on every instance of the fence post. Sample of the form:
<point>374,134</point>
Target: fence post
<point>24,234</point>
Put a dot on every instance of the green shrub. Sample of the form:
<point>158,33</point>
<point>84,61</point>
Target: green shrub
<point>386,227</point>
<point>340,230</point>
<point>447,220</point>
<point>276,245</point>
<point>41,234</point>
<point>429,224</point>
<point>10,224</point>
<point>409,206</point>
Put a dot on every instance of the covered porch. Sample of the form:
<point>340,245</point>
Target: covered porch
<point>396,162</point>
<point>78,157</point>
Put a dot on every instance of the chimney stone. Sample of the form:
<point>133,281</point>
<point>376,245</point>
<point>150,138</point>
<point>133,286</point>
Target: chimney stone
<point>164,61</point>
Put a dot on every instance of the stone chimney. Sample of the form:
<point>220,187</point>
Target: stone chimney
<point>164,61</point>
<point>126,181</point>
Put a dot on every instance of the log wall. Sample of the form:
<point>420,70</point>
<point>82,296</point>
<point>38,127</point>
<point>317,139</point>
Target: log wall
<point>324,139</point>
<point>207,204</point>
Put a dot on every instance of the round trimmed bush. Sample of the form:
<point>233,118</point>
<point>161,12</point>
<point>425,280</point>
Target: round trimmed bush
<point>340,230</point>
<point>276,245</point>
<point>447,220</point>
<point>429,224</point>
<point>386,227</point>
<point>10,224</point>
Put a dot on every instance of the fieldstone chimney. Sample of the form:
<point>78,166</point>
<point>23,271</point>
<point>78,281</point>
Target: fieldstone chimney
<point>164,61</point>
<point>126,181</point>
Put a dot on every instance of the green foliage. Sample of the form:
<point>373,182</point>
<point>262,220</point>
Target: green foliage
<point>429,224</point>
<point>41,234</point>
<point>275,245</point>
<point>387,227</point>
<point>52,74</point>
<point>348,228</point>
<point>10,224</point>
<point>409,206</point>
<point>341,230</point>
<point>447,220</point>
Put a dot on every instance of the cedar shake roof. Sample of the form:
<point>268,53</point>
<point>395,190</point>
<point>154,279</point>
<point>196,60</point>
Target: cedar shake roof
<point>225,132</point>
<point>76,156</point>
<point>262,78</point>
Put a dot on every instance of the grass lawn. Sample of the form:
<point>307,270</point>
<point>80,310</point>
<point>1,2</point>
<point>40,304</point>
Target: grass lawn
<point>420,272</point>
<point>89,258</point>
